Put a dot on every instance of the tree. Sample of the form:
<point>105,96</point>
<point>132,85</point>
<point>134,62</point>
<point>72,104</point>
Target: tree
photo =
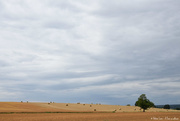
<point>144,103</point>
<point>167,106</point>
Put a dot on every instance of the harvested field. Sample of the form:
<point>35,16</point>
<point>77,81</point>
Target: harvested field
<point>62,107</point>
<point>17,111</point>
<point>25,107</point>
<point>97,107</point>
<point>139,116</point>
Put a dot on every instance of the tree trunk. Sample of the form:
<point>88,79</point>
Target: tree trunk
<point>143,110</point>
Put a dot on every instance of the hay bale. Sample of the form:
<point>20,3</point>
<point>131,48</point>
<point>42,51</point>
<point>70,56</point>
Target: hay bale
<point>84,104</point>
<point>114,111</point>
<point>90,105</point>
<point>48,103</point>
<point>94,109</point>
<point>78,103</point>
<point>67,105</point>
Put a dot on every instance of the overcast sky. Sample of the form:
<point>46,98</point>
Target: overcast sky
<point>90,51</point>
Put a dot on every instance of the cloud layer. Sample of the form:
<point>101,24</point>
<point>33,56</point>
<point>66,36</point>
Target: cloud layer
<point>90,51</point>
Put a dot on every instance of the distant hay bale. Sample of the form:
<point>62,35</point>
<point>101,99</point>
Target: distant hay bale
<point>84,104</point>
<point>67,105</point>
<point>78,103</point>
<point>90,105</point>
<point>119,108</point>
<point>135,109</point>
<point>48,103</point>
<point>94,109</point>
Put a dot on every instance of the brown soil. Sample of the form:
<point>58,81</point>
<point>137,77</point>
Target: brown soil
<point>139,116</point>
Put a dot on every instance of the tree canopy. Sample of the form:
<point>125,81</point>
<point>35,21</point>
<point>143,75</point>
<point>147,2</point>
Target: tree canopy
<point>167,106</point>
<point>144,103</point>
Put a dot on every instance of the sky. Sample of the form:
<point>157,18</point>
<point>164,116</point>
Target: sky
<point>90,51</point>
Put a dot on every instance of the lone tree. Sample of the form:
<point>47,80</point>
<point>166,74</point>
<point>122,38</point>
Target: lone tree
<point>167,106</point>
<point>144,103</point>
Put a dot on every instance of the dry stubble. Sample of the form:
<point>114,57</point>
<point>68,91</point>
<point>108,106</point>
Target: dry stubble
<point>91,116</point>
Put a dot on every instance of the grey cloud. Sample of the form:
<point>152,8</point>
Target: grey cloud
<point>1,5</point>
<point>120,9</point>
<point>64,6</point>
<point>90,51</point>
<point>3,63</point>
<point>83,82</point>
<point>58,25</point>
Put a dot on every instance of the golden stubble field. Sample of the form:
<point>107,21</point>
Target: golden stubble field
<point>16,111</point>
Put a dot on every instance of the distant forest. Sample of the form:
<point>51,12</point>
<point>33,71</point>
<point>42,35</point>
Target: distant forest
<point>172,106</point>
